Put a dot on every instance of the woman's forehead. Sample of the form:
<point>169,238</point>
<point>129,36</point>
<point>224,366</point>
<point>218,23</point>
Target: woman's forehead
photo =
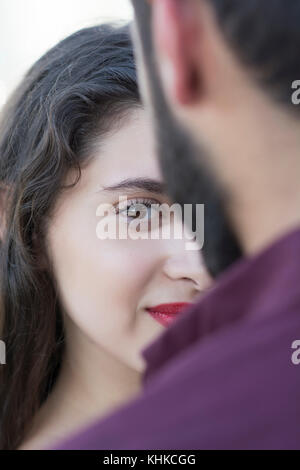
<point>127,153</point>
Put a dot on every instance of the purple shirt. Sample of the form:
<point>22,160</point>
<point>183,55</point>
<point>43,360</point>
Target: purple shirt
<point>221,376</point>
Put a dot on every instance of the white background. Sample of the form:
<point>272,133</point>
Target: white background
<point>28,28</point>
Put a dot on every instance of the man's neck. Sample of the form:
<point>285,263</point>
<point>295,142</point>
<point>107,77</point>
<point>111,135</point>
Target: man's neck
<point>265,202</point>
<point>260,144</point>
<point>259,223</point>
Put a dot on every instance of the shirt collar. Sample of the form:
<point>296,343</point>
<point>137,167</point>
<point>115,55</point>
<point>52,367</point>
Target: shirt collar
<point>253,286</point>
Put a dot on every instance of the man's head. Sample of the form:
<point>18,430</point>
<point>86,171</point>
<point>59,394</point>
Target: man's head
<point>218,76</point>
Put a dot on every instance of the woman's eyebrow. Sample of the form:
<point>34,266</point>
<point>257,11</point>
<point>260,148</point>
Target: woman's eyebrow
<point>147,184</point>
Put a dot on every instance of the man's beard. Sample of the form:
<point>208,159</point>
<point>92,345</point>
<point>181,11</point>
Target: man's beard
<point>189,181</point>
<point>183,163</point>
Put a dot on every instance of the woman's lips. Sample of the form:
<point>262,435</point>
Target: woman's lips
<point>167,313</point>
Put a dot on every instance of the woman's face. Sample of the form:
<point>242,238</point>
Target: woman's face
<point>107,285</point>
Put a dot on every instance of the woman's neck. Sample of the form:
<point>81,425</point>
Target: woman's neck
<point>91,384</point>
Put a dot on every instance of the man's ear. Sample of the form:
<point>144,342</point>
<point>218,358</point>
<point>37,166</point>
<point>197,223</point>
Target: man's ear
<point>175,27</point>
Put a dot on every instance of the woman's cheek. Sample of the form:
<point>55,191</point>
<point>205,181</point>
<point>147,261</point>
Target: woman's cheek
<point>131,263</point>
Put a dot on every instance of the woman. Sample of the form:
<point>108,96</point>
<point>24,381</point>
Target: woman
<point>77,310</point>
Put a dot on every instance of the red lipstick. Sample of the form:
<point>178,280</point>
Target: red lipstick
<point>167,313</point>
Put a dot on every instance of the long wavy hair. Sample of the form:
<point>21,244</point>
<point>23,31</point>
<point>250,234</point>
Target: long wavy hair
<point>67,102</point>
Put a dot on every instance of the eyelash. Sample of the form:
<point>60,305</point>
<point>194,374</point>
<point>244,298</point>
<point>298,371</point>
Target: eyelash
<point>132,202</point>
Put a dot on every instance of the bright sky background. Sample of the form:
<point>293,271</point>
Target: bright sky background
<point>28,28</point>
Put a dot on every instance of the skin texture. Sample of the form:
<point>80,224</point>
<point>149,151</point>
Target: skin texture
<point>105,285</point>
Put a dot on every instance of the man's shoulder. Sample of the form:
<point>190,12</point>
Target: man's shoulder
<point>235,389</point>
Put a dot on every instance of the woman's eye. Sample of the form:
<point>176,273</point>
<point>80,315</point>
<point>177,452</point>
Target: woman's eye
<point>146,215</point>
<point>138,211</point>
<point>143,210</point>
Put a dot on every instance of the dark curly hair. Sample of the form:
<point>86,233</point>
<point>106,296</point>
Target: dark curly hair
<point>67,101</point>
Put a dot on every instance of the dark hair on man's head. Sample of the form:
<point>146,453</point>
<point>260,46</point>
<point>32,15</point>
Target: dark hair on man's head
<point>69,100</point>
<point>263,34</point>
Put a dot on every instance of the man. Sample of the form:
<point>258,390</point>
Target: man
<point>218,76</point>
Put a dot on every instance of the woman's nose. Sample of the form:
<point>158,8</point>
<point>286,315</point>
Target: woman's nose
<point>189,266</point>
